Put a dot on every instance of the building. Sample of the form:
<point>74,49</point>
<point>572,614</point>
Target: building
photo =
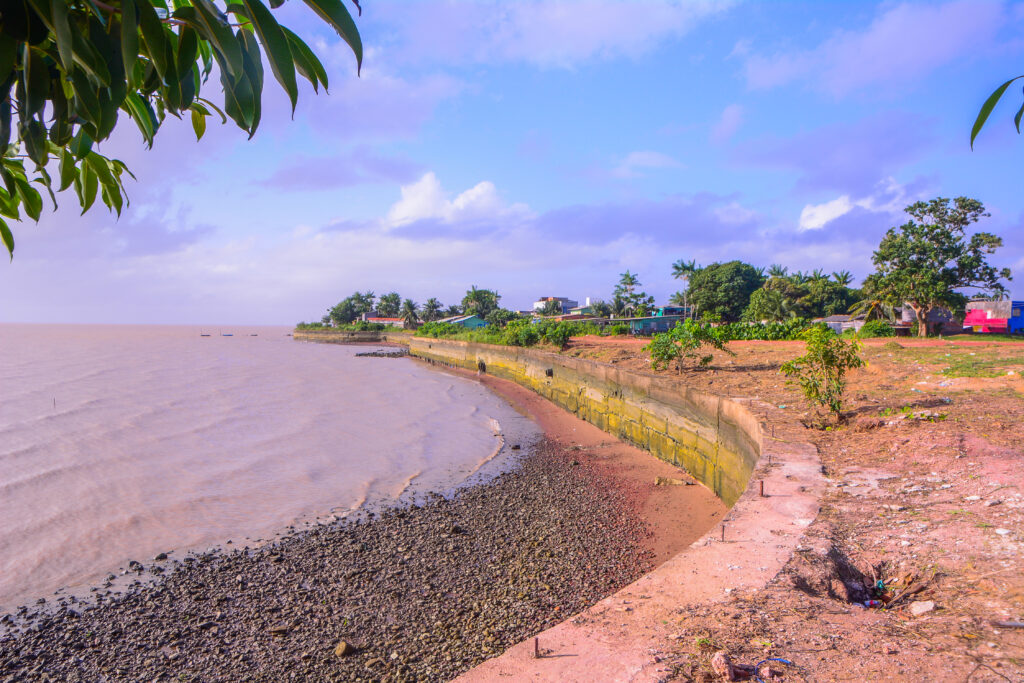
<point>471,322</point>
<point>1003,317</point>
<point>565,303</point>
<point>392,322</point>
<point>681,311</point>
<point>940,321</point>
<point>648,325</point>
<point>841,323</point>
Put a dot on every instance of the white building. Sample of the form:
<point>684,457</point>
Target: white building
<point>565,303</point>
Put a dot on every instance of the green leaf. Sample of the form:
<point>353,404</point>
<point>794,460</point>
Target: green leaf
<point>87,103</point>
<point>275,43</point>
<point>7,238</point>
<point>68,170</point>
<point>87,57</point>
<point>45,180</point>
<point>987,108</point>
<point>30,198</point>
<point>158,46</point>
<point>8,55</point>
<point>129,40</point>
<point>86,185</point>
<point>306,60</point>
<point>198,123</point>
<point>37,83</point>
<point>1016,119</point>
<point>62,29</point>
<point>81,144</point>
<point>143,116</point>
<point>335,14</point>
<point>213,27</point>
<point>101,168</point>
<point>33,134</point>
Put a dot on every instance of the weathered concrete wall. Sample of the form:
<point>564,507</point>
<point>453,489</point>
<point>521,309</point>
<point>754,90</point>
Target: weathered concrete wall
<point>345,337</point>
<point>716,440</point>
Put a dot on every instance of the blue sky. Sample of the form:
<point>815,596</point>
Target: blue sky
<point>542,148</point>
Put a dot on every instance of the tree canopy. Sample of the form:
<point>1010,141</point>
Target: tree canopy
<point>70,68</point>
<point>627,297</point>
<point>480,302</point>
<point>926,260</point>
<point>389,305</point>
<point>724,289</point>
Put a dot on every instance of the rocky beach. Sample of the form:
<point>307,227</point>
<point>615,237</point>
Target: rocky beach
<point>420,592</point>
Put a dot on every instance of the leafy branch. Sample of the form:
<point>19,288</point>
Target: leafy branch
<point>70,68</point>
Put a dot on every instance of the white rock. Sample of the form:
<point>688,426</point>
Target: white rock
<point>1002,532</point>
<point>921,607</point>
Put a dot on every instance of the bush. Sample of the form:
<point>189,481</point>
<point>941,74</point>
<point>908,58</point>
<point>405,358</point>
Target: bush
<point>772,331</point>
<point>520,333</point>
<point>876,328</point>
<point>683,342</point>
<point>821,372</point>
<point>438,330</point>
<point>618,330</point>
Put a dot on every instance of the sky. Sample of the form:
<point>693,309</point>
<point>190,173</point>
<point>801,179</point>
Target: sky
<point>543,148</point>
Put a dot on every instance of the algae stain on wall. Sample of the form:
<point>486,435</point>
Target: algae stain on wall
<point>716,440</point>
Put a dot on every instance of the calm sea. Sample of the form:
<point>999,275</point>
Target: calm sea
<point>121,442</point>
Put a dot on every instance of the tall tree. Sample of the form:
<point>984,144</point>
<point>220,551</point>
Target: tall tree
<point>923,262</point>
<point>389,305</point>
<point>351,307</point>
<point>724,289</point>
<point>683,270</point>
<point>480,302</point>
<point>410,313</point>
<point>843,277</point>
<point>777,270</point>
<point>69,67</point>
<point>634,302</point>
<point>432,310</point>
<point>551,308</point>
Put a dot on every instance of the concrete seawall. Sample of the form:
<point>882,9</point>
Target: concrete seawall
<point>714,439</point>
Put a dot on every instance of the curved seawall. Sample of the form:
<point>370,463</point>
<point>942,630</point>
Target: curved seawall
<point>772,486</point>
<point>716,440</point>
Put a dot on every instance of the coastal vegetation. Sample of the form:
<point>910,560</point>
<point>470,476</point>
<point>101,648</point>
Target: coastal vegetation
<point>69,69</point>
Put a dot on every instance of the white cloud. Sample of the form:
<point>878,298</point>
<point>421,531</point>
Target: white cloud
<point>905,42</point>
<point>426,200</point>
<point>543,32</point>
<point>728,123</point>
<point>636,162</point>
<point>816,216</point>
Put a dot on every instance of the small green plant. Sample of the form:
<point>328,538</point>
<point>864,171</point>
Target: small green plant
<point>876,328</point>
<point>618,330</point>
<point>685,342</point>
<point>821,371</point>
<point>702,641</point>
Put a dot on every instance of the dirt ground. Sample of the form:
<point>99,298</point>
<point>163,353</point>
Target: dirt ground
<point>925,494</point>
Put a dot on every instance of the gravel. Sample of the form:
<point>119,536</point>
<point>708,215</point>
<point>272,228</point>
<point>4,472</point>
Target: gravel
<point>423,592</point>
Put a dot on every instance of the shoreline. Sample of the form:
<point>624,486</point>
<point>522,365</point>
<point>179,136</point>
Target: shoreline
<point>572,523</point>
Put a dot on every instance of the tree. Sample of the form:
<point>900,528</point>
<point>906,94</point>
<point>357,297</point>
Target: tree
<point>432,310</point>
<point>68,67</point>
<point>683,270</point>
<point>633,301</point>
<point>768,305</point>
<point>601,308</point>
<point>454,309</point>
<point>551,308</point>
<point>410,313</point>
<point>683,343</point>
<point>350,308</point>
<point>777,271</point>
<point>924,261</point>
<point>389,305</point>
<point>990,104</point>
<point>843,277</point>
<point>724,289</point>
<point>480,302</point>
<point>821,371</point>
<point>500,317</point>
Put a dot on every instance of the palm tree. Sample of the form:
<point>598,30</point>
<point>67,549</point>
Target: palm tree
<point>818,274</point>
<point>678,299</point>
<point>799,277</point>
<point>777,270</point>
<point>682,270</point>
<point>843,277</point>
<point>410,313</point>
<point>432,310</point>
<point>454,309</point>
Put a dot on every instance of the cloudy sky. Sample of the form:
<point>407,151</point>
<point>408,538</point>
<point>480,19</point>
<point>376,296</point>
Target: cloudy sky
<point>542,148</point>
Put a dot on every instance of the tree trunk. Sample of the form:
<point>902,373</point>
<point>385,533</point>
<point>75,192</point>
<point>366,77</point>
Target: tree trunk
<point>922,321</point>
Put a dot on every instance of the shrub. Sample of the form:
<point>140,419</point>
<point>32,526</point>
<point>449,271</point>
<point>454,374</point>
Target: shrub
<point>618,330</point>
<point>821,371</point>
<point>877,328</point>
<point>683,343</point>
<point>520,333</point>
<point>438,329</point>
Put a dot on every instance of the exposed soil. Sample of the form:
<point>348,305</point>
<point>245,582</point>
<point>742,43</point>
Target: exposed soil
<point>926,493</point>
